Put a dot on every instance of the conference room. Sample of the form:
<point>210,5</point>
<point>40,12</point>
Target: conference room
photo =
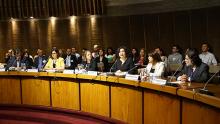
<point>110,61</point>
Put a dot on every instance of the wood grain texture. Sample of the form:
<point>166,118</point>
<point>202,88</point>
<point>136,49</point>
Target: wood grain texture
<point>65,94</point>
<point>94,98</point>
<point>185,28</point>
<point>35,91</point>
<point>10,92</point>
<point>126,104</point>
<point>161,108</point>
<point>197,113</point>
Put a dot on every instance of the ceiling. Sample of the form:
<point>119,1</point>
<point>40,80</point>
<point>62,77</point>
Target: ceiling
<point>133,7</point>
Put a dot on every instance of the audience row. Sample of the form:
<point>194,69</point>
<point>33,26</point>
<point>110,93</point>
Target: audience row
<point>195,65</point>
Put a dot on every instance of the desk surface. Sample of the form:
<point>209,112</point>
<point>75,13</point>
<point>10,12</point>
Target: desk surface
<point>190,93</point>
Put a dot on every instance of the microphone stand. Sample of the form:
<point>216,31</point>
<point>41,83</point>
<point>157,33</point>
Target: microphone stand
<point>206,91</point>
<point>110,71</point>
<point>133,68</point>
<point>168,83</point>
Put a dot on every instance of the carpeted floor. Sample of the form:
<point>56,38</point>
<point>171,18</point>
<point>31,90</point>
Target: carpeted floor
<point>10,114</point>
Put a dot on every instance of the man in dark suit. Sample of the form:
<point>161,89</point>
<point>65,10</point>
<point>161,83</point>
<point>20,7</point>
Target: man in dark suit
<point>40,60</point>
<point>194,70</point>
<point>70,60</point>
<point>15,63</point>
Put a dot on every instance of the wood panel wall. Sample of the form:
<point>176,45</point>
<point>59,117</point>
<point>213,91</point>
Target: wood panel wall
<point>47,8</point>
<point>187,28</point>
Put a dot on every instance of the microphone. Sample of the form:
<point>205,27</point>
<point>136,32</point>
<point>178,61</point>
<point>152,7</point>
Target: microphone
<point>135,66</point>
<point>168,83</point>
<point>42,68</point>
<point>113,65</point>
<point>206,91</point>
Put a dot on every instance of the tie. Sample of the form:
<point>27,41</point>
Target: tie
<point>40,63</point>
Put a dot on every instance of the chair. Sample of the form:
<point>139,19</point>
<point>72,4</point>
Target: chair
<point>212,70</point>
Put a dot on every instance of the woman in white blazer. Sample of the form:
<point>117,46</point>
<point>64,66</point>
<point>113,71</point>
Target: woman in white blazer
<point>155,66</point>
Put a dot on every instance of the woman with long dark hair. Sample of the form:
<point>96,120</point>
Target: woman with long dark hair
<point>124,62</point>
<point>194,70</point>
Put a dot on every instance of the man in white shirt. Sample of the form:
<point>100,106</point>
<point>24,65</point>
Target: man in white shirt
<point>175,57</point>
<point>206,56</point>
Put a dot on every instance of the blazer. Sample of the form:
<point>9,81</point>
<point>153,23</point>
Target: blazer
<point>28,62</point>
<point>36,61</point>
<point>159,69</point>
<point>13,63</point>
<point>201,73</point>
<point>92,66</point>
<point>73,62</point>
<point>59,64</point>
<point>105,62</point>
<point>10,62</point>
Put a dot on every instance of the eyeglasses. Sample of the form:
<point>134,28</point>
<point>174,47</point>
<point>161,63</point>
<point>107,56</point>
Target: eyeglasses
<point>54,53</point>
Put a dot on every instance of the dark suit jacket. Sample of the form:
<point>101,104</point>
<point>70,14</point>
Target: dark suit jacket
<point>44,61</point>
<point>105,62</point>
<point>90,66</point>
<point>201,73</point>
<point>28,62</point>
<point>13,63</point>
<point>73,61</point>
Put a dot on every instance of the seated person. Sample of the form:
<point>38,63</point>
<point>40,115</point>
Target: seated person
<point>70,60</point>
<point>27,60</point>
<point>194,70</point>
<point>89,63</point>
<point>102,61</point>
<point>55,62</point>
<point>155,66</point>
<point>15,63</point>
<point>142,58</point>
<point>134,55</point>
<point>9,56</point>
<point>40,60</point>
<point>175,57</point>
<point>206,56</point>
<point>110,55</point>
<point>123,63</point>
<point>162,55</point>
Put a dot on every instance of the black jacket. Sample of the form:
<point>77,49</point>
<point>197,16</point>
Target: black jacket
<point>105,62</point>
<point>201,73</point>
<point>44,61</point>
<point>73,62</point>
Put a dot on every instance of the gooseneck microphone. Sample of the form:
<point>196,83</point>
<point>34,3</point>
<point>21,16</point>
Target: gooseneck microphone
<point>135,66</point>
<point>42,68</point>
<point>113,66</point>
<point>177,70</point>
<point>206,91</point>
<point>168,83</point>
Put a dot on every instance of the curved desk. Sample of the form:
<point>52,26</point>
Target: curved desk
<point>130,101</point>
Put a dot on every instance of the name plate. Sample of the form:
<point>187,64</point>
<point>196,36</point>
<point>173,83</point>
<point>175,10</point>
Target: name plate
<point>68,71</point>
<point>2,69</point>
<point>159,81</point>
<point>51,70</point>
<point>94,73</point>
<point>132,77</point>
<point>32,70</point>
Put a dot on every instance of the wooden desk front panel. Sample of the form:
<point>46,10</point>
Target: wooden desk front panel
<point>199,113</point>
<point>126,104</point>
<point>10,90</point>
<point>161,108</point>
<point>36,91</point>
<point>94,97</point>
<point>65,94</point>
